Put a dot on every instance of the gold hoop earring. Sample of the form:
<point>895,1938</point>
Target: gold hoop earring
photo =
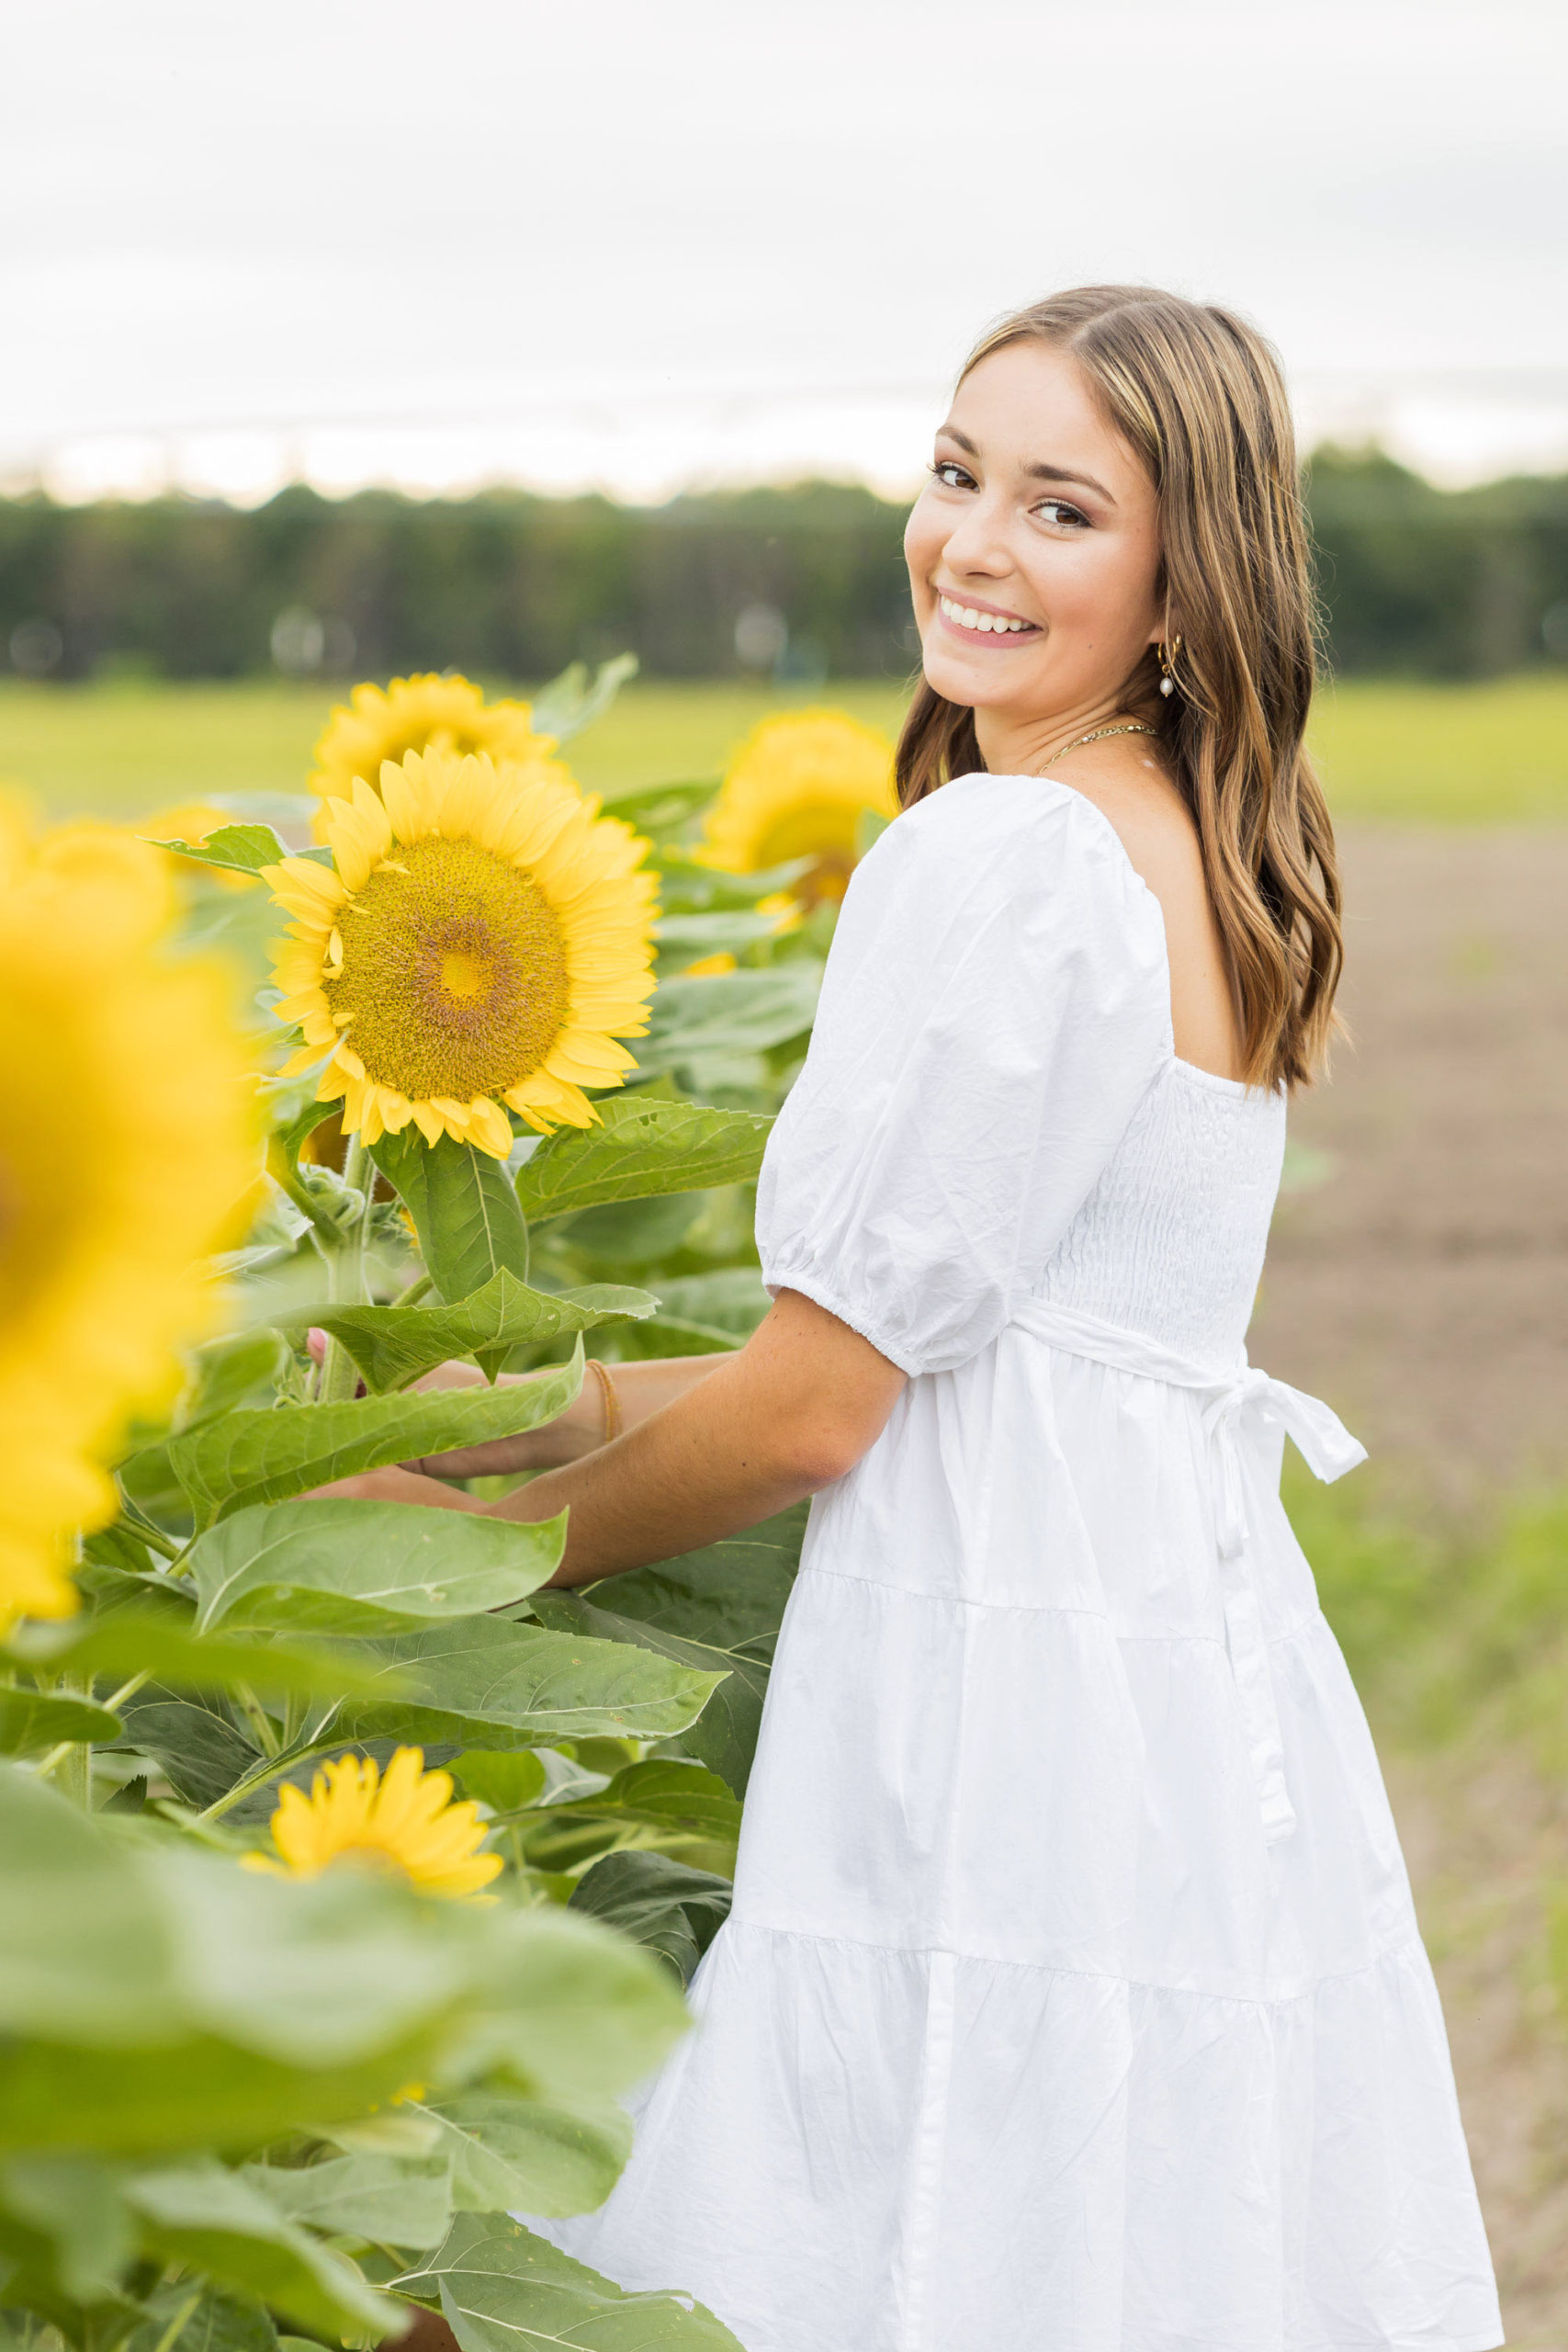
<point>1166,660</point>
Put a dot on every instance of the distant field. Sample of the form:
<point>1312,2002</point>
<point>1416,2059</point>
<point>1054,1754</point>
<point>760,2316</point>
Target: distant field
<point>1484,755</point>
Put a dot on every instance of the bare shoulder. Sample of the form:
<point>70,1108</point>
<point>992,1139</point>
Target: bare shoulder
<point>1154,823</point>
<point>1157,829</point>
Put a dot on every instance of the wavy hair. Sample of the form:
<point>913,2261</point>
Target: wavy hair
<point>1200,396</point>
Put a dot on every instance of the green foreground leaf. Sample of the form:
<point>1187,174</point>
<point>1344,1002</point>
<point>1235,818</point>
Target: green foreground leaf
<point>393,1345</point>
<point>486,1682</point>
<point>254,1457</point>
<point>220,2222</point>
<point>643,1147</point>
<point>243,848</point>
<point>132,1641</point>
<point>501,2288</point>
<point>717,1611</point>
<point>464,1210</point>
<point>340,1566</point>
<point>657,1901</point>
<point>31,1721</point>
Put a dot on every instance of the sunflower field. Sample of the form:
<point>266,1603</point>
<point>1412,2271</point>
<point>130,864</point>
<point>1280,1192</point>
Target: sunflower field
<point>348,1869</point>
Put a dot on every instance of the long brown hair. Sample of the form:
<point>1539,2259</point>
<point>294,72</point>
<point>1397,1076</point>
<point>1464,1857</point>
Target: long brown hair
<point>1199,395</point>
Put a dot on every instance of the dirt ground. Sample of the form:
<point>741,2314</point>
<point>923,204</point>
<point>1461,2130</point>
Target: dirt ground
<point>1419,1279</point>
<point>1422,1283</point>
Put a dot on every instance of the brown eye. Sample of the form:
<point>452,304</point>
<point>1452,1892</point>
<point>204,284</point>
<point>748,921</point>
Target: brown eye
<point>1061,511</point>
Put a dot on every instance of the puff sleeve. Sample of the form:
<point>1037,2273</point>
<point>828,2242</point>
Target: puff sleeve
<point>997,1002</point>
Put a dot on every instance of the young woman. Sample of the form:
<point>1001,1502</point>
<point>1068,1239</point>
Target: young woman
<point>1072,1999</point>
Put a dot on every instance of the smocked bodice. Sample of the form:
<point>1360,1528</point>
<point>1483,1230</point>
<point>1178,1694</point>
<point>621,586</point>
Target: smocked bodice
<point>1170,1241</point>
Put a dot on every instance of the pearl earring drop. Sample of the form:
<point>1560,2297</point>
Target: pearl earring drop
<point>1168,681</point>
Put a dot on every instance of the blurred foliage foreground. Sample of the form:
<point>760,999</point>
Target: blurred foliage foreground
<point>245,2086</point>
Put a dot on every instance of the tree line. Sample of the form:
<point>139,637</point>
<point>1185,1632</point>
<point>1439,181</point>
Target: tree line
<point>805,581</point>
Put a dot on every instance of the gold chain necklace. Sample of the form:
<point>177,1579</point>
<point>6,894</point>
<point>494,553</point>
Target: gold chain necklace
<point>1097,734</point>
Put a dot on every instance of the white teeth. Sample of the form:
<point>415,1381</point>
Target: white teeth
<point>984,624</point>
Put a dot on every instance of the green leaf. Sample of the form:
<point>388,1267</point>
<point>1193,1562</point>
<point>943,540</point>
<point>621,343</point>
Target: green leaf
<point>393,1345</point>
<point>662,811</point>
<point>243,848</point>
<point>84,1947</point>
<point>30,1721</point>
<point>505,1781</point>
<point>485,1682</point>
<point>364,1567</point>
<point>687,886</point>
<point>216,2323</point>
<point>658,1902</point>
<point>729,1013</point>
<point>571,702</point>
<point>266,1457</point>
<point>156,1997</point>
<point>628,1236</point>
<point>147,1640</point>
<point>393,2201</point>
<point>288,1141</point>
<point>239,1369</point>
<point>716,1609</point>
<point>727,930</point>
<point>669,1796</point>
<point>870,826</point>
<point>506,2153</point>
<point>642,1146</point>
<point>72,2201</point>
<point>731,1299</point>
<point>503,2289</point>
<point>220,2222</point>
<point>464,1208</point>
<point>197,1745</point>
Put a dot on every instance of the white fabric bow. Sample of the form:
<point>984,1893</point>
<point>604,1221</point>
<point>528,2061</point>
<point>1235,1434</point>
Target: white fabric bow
<point>1229,1399</point>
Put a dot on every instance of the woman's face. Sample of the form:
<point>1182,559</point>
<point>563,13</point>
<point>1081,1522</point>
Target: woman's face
<point>1033,551</point>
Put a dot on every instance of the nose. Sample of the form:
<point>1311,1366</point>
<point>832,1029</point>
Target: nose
<point>978,541</point>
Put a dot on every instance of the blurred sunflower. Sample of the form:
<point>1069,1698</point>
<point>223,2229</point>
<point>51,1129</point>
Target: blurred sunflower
<point>126,1150</point>
<point>480,943</point>
<point>797,788</point>
<point>192,821</point>
<point>407,1820</point>
<point>422,713</point>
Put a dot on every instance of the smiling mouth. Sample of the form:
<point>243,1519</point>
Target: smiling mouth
<point>975,620</point>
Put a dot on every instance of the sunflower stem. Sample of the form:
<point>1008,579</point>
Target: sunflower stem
<point>73,1775</point>
<point>345,1279</point>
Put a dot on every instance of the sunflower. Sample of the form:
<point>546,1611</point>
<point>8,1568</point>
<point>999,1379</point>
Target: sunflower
<point>482,939</point>
<point>418,715</point>
<point>126,1148</point>
<point>406,1819</point>
<point>192,821</point>
<point>797,788</point>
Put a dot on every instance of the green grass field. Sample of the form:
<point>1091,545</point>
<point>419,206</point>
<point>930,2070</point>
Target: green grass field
<point>1484,755</point>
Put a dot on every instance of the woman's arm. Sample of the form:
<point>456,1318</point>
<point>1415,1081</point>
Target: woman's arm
<point>789,1412</point>
<point>641,1389</point>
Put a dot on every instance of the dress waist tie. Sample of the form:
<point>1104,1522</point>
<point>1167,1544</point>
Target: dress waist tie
<point>1229,1400</point>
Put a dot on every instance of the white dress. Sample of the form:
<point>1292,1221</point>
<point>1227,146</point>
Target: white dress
<point>1073,1998</point>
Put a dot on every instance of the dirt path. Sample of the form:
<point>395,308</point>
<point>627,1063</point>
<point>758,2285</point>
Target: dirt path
<point>1423,1287</point>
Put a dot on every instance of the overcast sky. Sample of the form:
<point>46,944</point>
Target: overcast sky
<point>648,242</point>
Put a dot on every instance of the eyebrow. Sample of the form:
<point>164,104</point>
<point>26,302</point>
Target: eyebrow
<point>1037,473</point>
